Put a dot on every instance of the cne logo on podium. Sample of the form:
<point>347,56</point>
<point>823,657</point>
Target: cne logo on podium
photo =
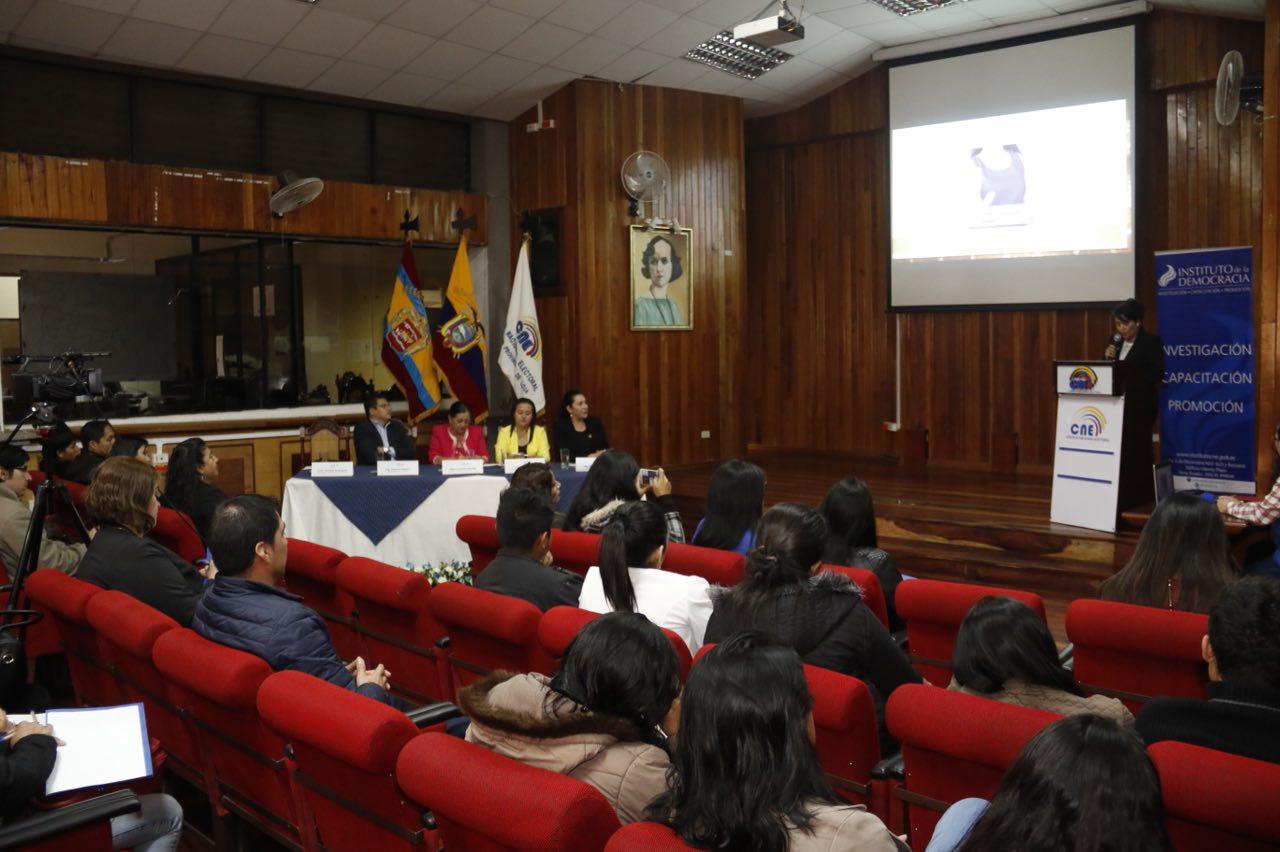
<point>1083,378</point>
<point>1088,423</point>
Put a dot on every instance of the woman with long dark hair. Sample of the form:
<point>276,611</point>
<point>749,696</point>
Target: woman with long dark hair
<point>1182,561</point>
<point>576,433</point>
<point>1004,651</point>
<point>744,773</point>
<point>1262,513</point>
<point>188,485</point>
<point>735,501</point>
<point>819,613</point>
<point>851,538</point>
<point>1082,784</point>
<point>614,480</point>
<point>523,438</point>
<point>629,579</point>
<point>604,717</point>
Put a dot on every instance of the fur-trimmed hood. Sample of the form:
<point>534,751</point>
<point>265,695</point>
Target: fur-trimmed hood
<point>823,581</point>
<point>517,715</point>
<point>594,521</point>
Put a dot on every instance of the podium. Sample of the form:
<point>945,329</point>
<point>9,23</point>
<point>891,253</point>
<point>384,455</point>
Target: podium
<point>1102,443</point>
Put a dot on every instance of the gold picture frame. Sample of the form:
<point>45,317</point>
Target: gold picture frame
<point>668,255</point>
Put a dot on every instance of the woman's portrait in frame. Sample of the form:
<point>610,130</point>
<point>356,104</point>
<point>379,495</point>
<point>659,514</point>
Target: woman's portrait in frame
<point>661,279</point>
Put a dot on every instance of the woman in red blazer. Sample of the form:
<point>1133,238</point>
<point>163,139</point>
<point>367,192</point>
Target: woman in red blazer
<point>457,439</point>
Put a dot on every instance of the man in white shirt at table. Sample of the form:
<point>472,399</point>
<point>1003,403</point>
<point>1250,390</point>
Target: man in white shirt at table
<point>381,438</point>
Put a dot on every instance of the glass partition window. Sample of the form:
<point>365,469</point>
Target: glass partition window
<point>194,323</point>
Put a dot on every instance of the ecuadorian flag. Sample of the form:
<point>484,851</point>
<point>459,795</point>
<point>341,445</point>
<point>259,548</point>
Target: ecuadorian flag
<point>406,341</point>
<point>461,350</point>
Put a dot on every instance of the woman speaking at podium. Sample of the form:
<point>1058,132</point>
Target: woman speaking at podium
<point>1140,350</point>
<point>1142,355</point>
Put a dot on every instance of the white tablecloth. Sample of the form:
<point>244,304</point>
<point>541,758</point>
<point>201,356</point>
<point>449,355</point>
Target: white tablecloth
<point>426,537</point>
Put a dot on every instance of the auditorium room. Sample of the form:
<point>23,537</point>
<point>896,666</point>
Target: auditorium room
<point>631,425</point>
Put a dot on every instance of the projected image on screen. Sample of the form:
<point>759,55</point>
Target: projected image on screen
<point>1028,184</point>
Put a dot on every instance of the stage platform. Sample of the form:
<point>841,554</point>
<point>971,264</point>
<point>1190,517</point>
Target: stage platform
<point>965,525</point>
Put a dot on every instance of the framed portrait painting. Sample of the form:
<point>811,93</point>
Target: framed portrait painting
<point>661,279</point>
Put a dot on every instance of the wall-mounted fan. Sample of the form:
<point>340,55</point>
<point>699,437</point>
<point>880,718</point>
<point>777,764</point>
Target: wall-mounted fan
<point>1235,90</point>
<point>294,192</point>
<point>645,177</point>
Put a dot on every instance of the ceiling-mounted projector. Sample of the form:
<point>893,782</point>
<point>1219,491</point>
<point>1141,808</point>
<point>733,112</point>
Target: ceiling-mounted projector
<point>770,32</point>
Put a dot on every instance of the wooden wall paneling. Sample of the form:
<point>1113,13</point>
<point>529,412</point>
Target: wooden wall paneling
<point>76,191</point>
<point>655,391</point>
<point>967,376</point>
<point>1267,266</point>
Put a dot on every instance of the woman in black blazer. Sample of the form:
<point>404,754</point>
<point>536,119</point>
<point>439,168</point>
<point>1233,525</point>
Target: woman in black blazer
<point>577,432</point>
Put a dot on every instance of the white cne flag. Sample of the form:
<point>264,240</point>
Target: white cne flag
<point>521,355</point>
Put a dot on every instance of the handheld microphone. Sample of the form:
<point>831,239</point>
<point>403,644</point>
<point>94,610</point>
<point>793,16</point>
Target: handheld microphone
<point>1117,340</point>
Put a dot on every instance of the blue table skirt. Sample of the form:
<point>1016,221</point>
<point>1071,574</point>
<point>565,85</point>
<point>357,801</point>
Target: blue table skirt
<point>377,505</point>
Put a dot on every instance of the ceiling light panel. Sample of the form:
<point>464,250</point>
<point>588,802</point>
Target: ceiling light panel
<point>725,53</point>
<point>906,8</point>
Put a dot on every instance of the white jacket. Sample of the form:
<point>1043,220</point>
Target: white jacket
<point>679,603</point>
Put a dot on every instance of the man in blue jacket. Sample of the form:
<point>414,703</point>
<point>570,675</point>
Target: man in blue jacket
<point>246,609</point>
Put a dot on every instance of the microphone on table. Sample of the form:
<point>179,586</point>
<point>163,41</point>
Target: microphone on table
<point>1117,340</point>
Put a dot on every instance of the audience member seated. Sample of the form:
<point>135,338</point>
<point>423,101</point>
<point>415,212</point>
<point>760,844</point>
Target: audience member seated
<point>851,539</point>
<point>457,439</point>
<point>58,449</point>
<point>522,568</point>
<point>735,502</point>
<point>575,432</point>
<point>745,774</point>
<point>604,718</point>
<point>820,615</point>
<point>538,476</point>
<point>122,501</point>
<point>97,438</point>
<point>132,446</point>
<point>629,579</point>
<point>26,762</point>
<point>380,438</point>
<point>1081,784</point>
<point>523,438</point>
<point>1242,715</point>
<point>614,479</point>
<point>1262,513</point>
<point>1005,651</point>
<point>189,483</point>
<point>15,517</point>
<point>1182,561</point>
<point>246,609</point>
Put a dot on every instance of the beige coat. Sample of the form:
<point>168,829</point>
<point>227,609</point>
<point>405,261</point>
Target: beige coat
<point>837,828</point>
<point>515,716</point>
<point>1055,701</point>
<point>15,515</point>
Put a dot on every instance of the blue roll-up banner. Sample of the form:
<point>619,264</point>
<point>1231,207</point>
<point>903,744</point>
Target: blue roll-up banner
<point>1207,406</point>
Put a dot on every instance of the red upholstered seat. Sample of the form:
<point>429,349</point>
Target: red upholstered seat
<point>216,688</point>
<point>480,532</point>
<point>560,624</point>
<point>718,567</point>
<point>1215,801</point>
<point>176,531</point>
<point>575,551</point>
<point>953,746</point>
<point>64,600</point>
<point>488,631</point>
<point>872,592</point>
<point>344,748</point>
<point>933,610</point>
<point>1135,652</point>
<point>312,573</point>
<point>484,801</point>
<point>127,631</point>
<point>395,627</point>
<point>646,837</point>
<point>844,717</point>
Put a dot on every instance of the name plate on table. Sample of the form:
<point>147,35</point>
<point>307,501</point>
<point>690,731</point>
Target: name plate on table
<point>453,467</point>
<point>398,467</point>
<point>332,468</point>
<point>512,465</point>
<point>583,463</point>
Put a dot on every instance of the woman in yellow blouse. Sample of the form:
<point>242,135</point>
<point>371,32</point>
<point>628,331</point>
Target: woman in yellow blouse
<point>522,438</point>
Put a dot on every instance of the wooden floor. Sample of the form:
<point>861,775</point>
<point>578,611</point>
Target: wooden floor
<point>973,526</point>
